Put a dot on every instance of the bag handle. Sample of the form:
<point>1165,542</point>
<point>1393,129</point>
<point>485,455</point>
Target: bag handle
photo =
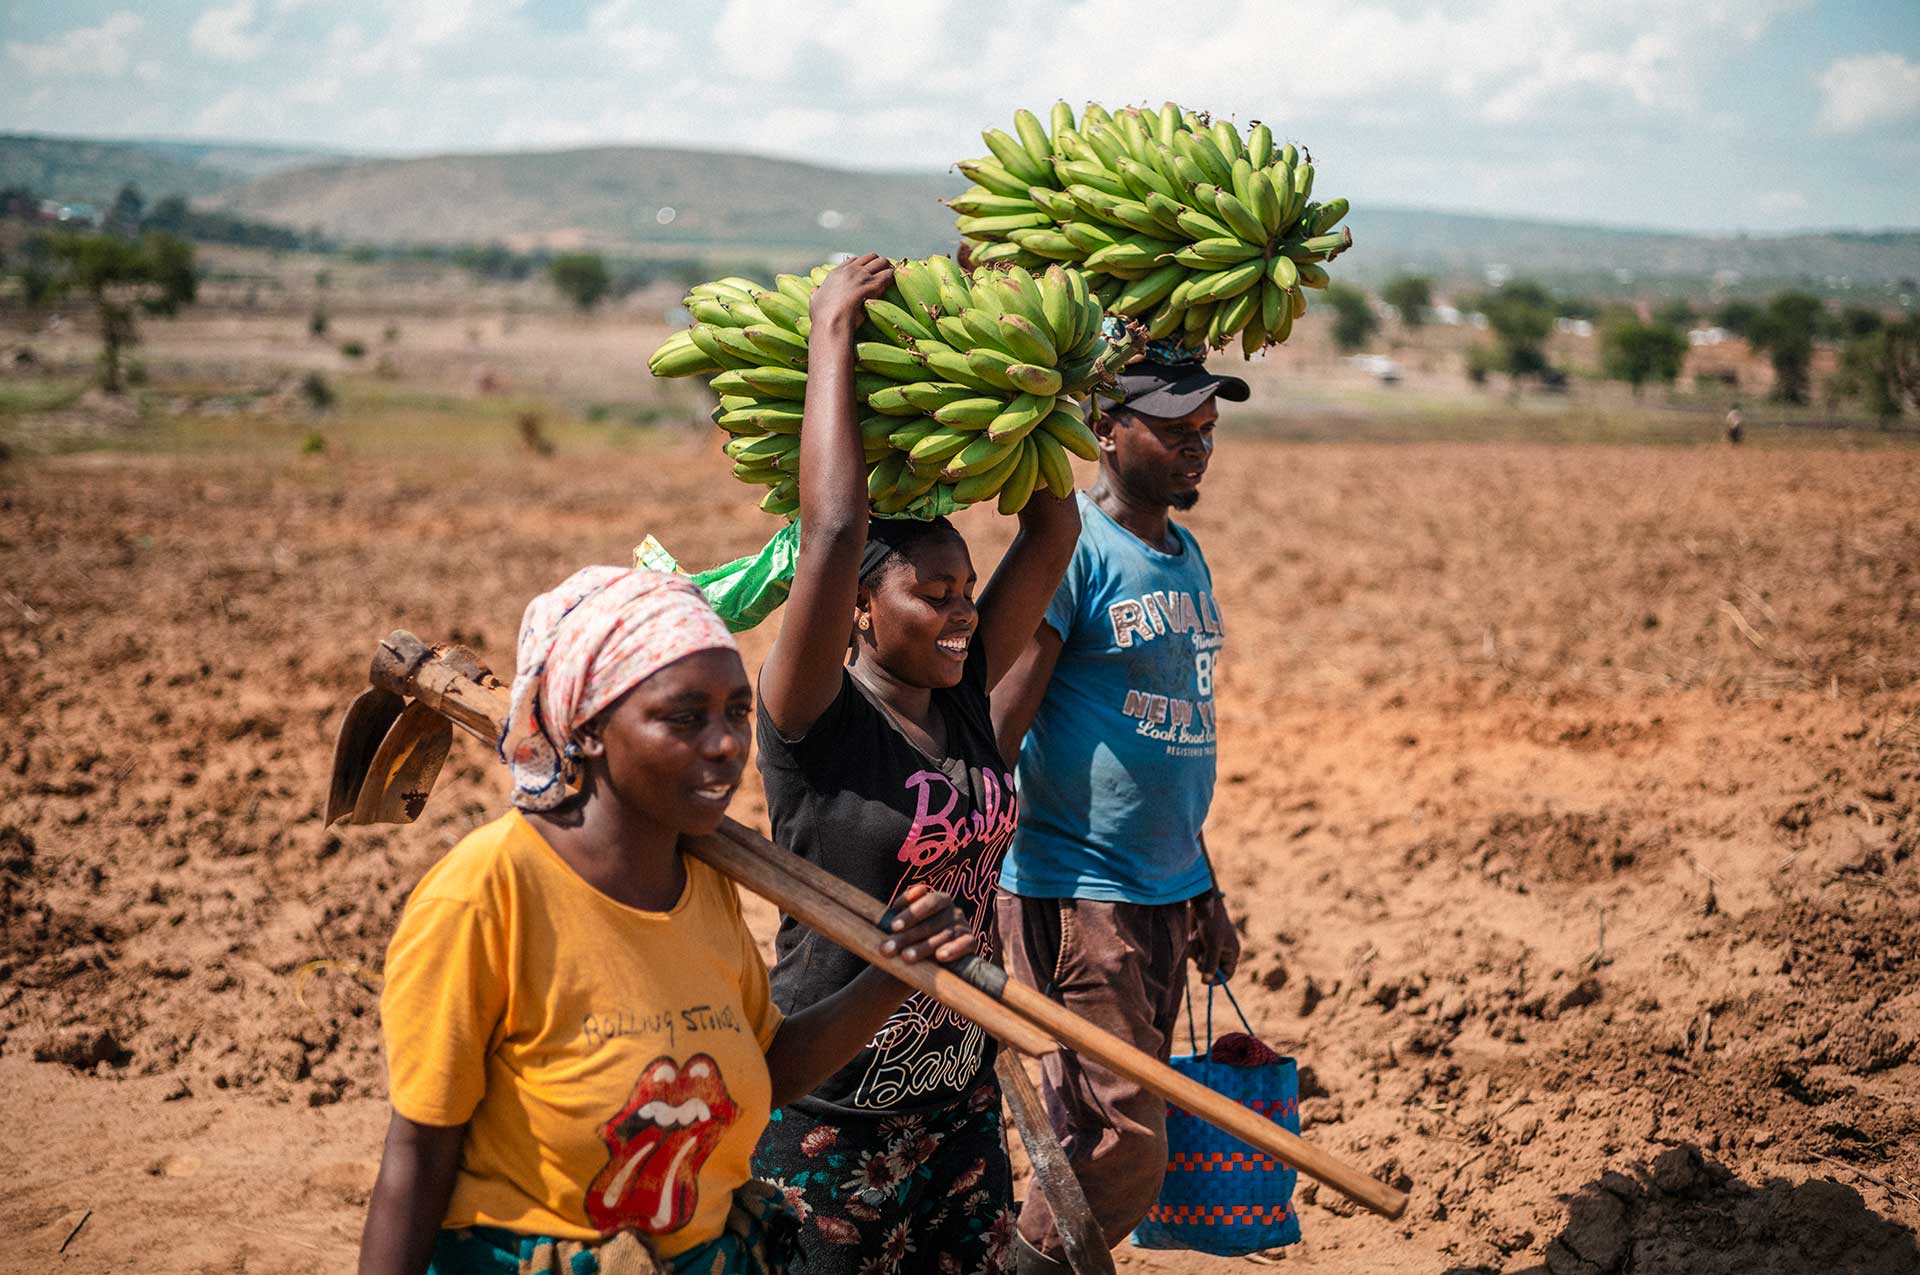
<point>1223,985</point>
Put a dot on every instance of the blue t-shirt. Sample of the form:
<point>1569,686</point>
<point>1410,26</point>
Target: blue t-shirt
<point>1116,773</point>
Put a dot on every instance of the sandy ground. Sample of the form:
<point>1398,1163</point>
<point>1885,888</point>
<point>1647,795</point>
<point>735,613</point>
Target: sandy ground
<point>1568,797</point>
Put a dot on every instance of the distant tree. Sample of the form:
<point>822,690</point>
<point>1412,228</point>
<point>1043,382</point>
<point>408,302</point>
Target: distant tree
<point>1785,330</point>
<point>129,207</point>
<point>1411,295</point>
<point>1677,313</point>
<point>34,270</point>
<point>1521,314</point>
<point>1637,352</point>
<point>170,214</point>
<point>581,277</point>
<point>1576,308</point>
<point>1882,368</point>
<point>1738,317</point>
<point>155,273</point>
<point>18,202</point>
<point>1856,321</point>
<point>1353,318</point>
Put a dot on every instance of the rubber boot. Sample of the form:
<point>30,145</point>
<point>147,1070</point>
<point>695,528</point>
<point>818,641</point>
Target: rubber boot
<point>1028,1260</point>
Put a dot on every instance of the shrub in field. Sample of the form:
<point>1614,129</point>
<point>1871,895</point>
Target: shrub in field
<point>353,349</point>
<point>1521,314</point>
<point>1411,295</point>
<point>1785,330</point>
<point>1354,321</point>
<point>581,277</point>
<point>1882,369</point>
<point>319,394</point>
<point>1637,352</point>
<point>154,273</point>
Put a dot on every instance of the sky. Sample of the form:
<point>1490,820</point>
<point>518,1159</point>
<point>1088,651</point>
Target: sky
<point>1711,115</point>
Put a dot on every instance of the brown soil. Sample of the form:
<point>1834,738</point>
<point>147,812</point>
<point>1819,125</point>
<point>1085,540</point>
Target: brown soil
<point>1568,797</point>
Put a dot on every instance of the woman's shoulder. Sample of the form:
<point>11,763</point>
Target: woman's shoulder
<point>847,703</point>
<point>480,864</point>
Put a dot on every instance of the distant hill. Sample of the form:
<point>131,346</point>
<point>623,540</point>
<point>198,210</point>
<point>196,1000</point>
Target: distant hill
<point>655,201</point>
<point>613,197</point>
<point>1457,245</point>
<point>78,170</point>
<point>619,197</point>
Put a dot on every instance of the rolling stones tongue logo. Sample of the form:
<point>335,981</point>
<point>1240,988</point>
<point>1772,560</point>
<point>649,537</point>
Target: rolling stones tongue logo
<point>656,1145</point>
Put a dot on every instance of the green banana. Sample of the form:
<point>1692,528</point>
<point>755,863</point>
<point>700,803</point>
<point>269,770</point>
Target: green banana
<point>1019,487</point>
<point>777,344</point>
<point>1033,137</point>
<point>991,174</point>
<point>906,436</point>
<point>978,201</point>
<point>681,358</point>
<point>1027,341</point>
<point>1033,379</point>
<point>1020,416</point>
<point>938,446</point>
<point>1240,218</point>
<point>1330,215</point>
<point>1050,244</point>
<point>785,311</point>
<point>931,396</point>
<point>893,401</point>
<point>768,418</point>
<point>1055,469</point>
<point>1141,294</point>
<point>776,382</point>
<point>901,328</point>
<point>889,361</point>
<point>970,413</point>
<point>1210,254</point>
<point>1260,146</point>
<point>981,484</point>
<point>1014,157</point>
<point>987,227</point>
<point>991,366</point>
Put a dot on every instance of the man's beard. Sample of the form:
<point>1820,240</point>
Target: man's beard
<point>1184,500</point>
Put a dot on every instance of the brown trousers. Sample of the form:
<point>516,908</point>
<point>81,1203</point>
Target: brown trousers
<point>1122,967</point>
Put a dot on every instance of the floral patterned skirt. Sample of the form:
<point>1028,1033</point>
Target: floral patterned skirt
<point>921,1191</point>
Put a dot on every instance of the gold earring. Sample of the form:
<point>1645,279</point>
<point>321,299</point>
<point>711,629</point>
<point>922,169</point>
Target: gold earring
<point>865,624</point>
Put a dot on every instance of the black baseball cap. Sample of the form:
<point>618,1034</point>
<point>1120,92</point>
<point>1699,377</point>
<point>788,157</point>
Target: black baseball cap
<point>1171,390</point>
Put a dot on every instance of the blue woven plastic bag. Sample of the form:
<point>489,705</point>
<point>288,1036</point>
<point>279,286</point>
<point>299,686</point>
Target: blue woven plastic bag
<point>1220,1195</point>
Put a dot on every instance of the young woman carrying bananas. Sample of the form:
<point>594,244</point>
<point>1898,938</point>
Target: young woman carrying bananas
<point>877,747</point>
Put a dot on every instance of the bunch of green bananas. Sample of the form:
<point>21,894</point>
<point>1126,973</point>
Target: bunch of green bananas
<point>1187,229</point>
<point>973,388</point>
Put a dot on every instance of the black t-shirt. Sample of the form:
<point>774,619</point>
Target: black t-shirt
<point>857,798</point>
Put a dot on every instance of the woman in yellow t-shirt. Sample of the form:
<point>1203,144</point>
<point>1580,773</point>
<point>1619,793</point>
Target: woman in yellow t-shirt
<point>581,1046</point>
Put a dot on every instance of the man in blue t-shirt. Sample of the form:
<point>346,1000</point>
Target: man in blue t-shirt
<point>1107,889</point>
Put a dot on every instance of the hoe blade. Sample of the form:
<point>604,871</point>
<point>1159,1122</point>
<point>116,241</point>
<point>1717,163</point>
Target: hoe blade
<point>361,730</point>
<point>403,770</point>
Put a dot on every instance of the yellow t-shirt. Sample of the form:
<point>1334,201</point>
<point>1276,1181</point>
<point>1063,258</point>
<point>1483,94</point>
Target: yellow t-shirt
<point>609,1063</point>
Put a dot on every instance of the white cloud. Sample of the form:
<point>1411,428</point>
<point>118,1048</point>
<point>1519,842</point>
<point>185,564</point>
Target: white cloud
<point>105,49</point>
<point>1860,92</point>
<point>222,32</point>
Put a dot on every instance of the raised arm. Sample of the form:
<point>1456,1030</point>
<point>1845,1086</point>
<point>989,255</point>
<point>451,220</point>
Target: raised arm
<point>802,672</point>
<point>1017,700</point>
<point>1023,584</point>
